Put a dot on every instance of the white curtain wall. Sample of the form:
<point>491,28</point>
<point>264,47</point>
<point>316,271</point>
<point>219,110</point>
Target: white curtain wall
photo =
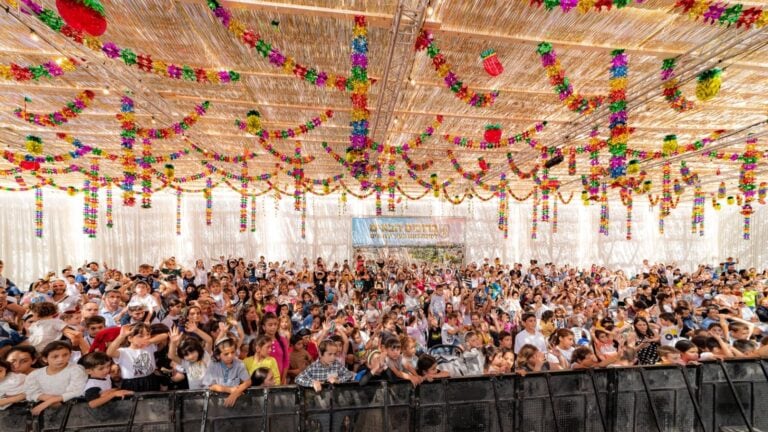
<point>147,235</point>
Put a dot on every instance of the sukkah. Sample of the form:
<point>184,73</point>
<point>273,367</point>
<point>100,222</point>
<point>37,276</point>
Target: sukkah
<point>476,118</point>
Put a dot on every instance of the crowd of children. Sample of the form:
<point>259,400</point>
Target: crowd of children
<point>99,333</point>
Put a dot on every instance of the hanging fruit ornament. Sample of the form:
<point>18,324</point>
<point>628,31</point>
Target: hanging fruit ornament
<point>647,185</point>
<point>493,133</point>
<point>253,122</point>
<point>721,191</point>
<point>708,85</point>
<point>491,62</point>
<point>29,165</point>
<point>677,187</point>
<point>633,167</point>
<point>84,15</point>
<point>761,192</point>
<point>484,166</point>
<point>670,144</point>
<point>169,171</point>
<point>730,200</point>
<point>34,145</point>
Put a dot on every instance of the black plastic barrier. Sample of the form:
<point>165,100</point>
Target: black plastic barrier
<point>712,397</point>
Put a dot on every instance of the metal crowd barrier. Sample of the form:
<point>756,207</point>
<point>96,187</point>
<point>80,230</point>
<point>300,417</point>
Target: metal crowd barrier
<point>711,397</point>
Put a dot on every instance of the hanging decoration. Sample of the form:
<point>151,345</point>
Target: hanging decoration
<point>34,145</point>
<point>708,84</point>
<point>491,62</point>
<point>86,16</point>
<point>178,212</point>
<point>392,180</point>
<point>177,128</point>
<point>554,217</point>
<point>723,14</point>
<point>143,62</point>
<point>146,174</point>
<point>503,204</point>
<point>762,192</point>
<point>666,194</point>
<point>253,126</point>
<point>298,177</point>
<point>617,144</point>
<point>244,191</point>
<point>604,216</point>
<point>49,69</point>
<point>253,213</point>
<point>304,217</point>
<point>276,58</point>
<point>39,211</point>
<point>626,199</point>
<point>208,195</point>
<point>486,145</point>
<point>747,184</point>
<point>493,133</point>
<point>721,191</point>
<point>91,200</point>
<point>359,142</point>
<point>671,87</point>
<point>571,161</point>
<point>562,84</point>
<point>110,221</point>
<point>128,139</point>
<point>425,41</point>
<point>57,118</point>
<point>534,214</point>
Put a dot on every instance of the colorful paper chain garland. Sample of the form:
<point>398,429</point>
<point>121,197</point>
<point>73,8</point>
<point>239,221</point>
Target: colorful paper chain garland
<point>49,69</point>
<point>143,62</point>
<point>58,118</point>
<point>562,84</point>
<point>425,41</point>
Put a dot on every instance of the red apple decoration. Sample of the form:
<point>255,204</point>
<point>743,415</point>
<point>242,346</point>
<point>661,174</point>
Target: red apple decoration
<point>86,16</point>
<point>493,134</point>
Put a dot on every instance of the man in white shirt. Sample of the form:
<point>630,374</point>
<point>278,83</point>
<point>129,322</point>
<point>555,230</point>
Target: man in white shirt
<point>529,335</point>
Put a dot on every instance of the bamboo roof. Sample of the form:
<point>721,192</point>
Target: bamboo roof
<point>318,33</point>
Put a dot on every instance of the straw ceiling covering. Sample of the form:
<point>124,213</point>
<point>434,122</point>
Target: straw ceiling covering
<point>318,33</point>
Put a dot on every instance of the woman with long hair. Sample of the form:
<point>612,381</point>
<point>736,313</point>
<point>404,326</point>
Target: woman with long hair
<point>647,342</point>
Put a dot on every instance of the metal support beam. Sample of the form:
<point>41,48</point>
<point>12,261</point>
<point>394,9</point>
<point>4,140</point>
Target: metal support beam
<point>408,20</point>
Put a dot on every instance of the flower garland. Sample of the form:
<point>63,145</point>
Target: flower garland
<point>670,84</point>
<point>747,184</point>
<point>503,203</point>
<point>219,157</point>
<point>562,84</point>
<point>359,141</point>
<point>298,177</point>
<point>517,171</point>
<point>628,203</point>
<point>178,212</point>
<point>425,40</point>
<point>252,125</point>
<point>176,128</point>
<point>617,145</point>
<point>534,214</point>
<point>596,172</point>
<point>417,167</point>
<point>110,209</point>
<point>253,213</point>
<point>275,57</point>
<point>91,200</point>
<point>414,143</point>
<point>484,145</point>
<point>128,139</point>
<point>208,195</point>
<point>571,161</point>
<point>244,192</point>
<point>473,177</point>
<point>724,14</point>
<point>304,217</point>
<point>604,215</point>
<point>378,189</point>
<point>143,62</point>
<point>666,195</point>
<point>49,69</point>
<point>365,184</point>
<point>284,158</point>
<point>392,180</point>
<point>697,211</point>
<point>39,211</point>
<point>146,174</point>
<point>57,118</point>
<point>762,192</point>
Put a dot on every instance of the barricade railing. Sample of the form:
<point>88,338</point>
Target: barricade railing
<point>710,397</point>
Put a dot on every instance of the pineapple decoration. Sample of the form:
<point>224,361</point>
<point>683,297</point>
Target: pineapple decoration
<point>491,62</point>
<point>34,145</point>
<point>670,145</point>
<point>634,167</point>
<point>86,16</point>
<point>492,133</point>
<point>708,84</point>
<point>253,122</point>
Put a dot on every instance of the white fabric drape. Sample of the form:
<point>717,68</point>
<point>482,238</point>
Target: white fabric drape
<point>148,235</point>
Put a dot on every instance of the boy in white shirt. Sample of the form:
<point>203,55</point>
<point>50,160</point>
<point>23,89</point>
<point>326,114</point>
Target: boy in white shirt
<point>47,327</point>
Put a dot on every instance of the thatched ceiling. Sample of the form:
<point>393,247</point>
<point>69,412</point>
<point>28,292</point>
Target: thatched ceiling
<point>318,33</point>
